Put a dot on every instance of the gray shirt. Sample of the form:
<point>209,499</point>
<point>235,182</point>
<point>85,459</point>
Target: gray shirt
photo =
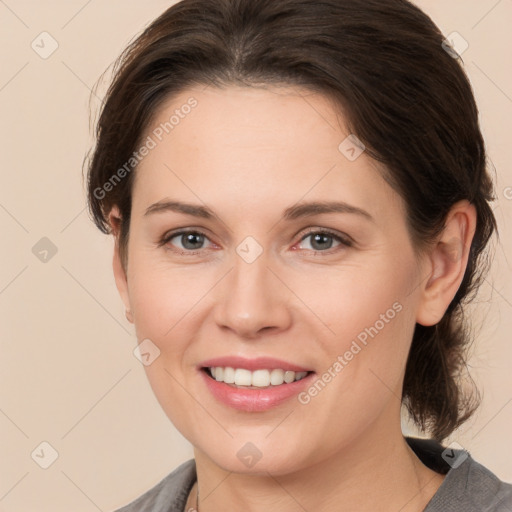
<point>468,486</point>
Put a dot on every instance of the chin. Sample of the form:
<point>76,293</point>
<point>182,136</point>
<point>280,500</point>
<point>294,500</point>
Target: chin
<point>257,457</point>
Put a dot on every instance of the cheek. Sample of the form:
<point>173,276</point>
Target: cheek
<point>364,303</point>
<point>165,298</point>
<point>371,319</point>
<point>165,307</point>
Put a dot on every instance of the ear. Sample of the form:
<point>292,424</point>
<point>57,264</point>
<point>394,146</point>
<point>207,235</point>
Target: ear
<point>115,220</point>
<point>446,263</point>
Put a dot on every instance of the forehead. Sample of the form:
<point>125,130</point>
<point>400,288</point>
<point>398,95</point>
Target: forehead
<point>252,143</point>
<point>245,121</point>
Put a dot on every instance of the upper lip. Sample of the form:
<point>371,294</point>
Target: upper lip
<point>257,363</point>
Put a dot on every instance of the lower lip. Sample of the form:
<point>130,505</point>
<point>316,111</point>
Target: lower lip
<point>254,400</point>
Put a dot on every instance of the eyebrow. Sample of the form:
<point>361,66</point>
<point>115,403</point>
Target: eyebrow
<point>304,209</point>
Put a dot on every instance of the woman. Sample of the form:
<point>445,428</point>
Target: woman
<point>237,138</point>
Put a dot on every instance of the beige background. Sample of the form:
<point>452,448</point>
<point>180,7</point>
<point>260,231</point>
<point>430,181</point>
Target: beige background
<point>68,374</point>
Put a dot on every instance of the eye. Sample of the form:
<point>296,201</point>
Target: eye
<point>322,240</point>
<point>191,241</point>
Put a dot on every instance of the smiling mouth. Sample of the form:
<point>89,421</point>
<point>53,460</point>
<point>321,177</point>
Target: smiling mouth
<point>257,379</point>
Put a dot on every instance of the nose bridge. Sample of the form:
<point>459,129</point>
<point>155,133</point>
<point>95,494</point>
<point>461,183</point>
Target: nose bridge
<point>252,297</point>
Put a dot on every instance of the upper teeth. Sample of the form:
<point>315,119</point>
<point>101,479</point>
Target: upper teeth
<point>258,378</point>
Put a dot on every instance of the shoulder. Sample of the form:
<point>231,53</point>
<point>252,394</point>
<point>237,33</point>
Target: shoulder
<point>468,485</point>
<point>168,495</point>
<point>471,487</point>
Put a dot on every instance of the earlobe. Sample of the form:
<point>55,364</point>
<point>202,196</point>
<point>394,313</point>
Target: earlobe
<point>120,276</point>
<point>447,262</point>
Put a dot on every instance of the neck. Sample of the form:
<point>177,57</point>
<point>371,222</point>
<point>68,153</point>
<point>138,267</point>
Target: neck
<point>375,472</point>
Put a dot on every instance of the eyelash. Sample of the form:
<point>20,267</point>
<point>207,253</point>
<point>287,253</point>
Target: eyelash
<point>345,241</point>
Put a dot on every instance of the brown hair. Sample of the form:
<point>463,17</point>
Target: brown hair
<point>402,94</point>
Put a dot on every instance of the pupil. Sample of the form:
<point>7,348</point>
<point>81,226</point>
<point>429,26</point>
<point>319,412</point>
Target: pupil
<point>324,237</point>
<point>189,238</point>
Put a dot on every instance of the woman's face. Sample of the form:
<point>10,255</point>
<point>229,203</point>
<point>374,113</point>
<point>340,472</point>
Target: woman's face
<point>266,282</point>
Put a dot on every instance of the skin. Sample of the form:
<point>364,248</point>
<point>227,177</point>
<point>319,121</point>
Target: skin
<point>248,154</point>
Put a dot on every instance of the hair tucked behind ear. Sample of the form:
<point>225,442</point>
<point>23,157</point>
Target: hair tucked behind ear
<point>432,389</point>
<point>401,93</point>
<point>436,358</point>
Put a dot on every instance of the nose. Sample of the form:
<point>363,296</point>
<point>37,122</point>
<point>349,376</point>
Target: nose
<point>252,299</point>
